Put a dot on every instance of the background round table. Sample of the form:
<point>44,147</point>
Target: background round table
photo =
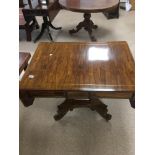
<point>87,7</point>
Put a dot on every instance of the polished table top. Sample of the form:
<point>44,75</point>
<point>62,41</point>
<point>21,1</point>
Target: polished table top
<point>89,6</point>
<point>80,66</point>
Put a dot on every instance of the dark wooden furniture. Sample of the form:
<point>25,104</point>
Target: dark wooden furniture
<point>88,7</point>
<point>80,72</point>
<point>23,61</point>
<point>27,24</point>
<point>113,13</point>
<point>21,4</point>
<point>47,9</point>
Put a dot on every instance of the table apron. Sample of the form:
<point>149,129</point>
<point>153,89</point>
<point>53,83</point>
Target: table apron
<point>108,10</point>
<point>105,94</point>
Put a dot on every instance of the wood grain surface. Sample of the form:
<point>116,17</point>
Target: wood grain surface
<point>98,67</point>
<point>90,6</point>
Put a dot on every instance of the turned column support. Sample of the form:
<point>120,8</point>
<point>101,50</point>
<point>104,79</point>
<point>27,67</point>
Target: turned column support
<point>46,25</point>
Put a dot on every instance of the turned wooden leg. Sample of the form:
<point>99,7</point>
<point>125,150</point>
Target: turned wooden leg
<point>41,33</point>
<point>28,33</point>
<point>36,23</point>
<point>44,26</point>
<point>49,33</point>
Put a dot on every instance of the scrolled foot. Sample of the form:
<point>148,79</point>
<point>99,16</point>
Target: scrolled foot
<point>102,110</point>
<point>91,35</point>
<point>58,117</point>
<point>73,31</point>
<point>58,28</point>
<point>55,28</point>
<point>60,114</point>
<point>95,27</point>
<point>108,117</point>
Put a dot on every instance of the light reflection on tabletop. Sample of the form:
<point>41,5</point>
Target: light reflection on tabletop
<point>97,89</point>
<point>98,53</point>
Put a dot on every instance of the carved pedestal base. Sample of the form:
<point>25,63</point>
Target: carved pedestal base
<point>45,25</point>
<point>93,104</point>
<point>87,24</point>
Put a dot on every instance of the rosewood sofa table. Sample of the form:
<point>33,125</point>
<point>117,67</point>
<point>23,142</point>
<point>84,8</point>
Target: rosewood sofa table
<point>81,73</point>
<point>87,7</point>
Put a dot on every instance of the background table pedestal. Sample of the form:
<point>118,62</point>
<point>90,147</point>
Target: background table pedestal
<point>87,24</point>
<point>46,25</point>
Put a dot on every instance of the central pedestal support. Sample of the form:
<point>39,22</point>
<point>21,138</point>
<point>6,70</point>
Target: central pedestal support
<point>93,103</point>
<point>46,25</point>
<point>87,24</point>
